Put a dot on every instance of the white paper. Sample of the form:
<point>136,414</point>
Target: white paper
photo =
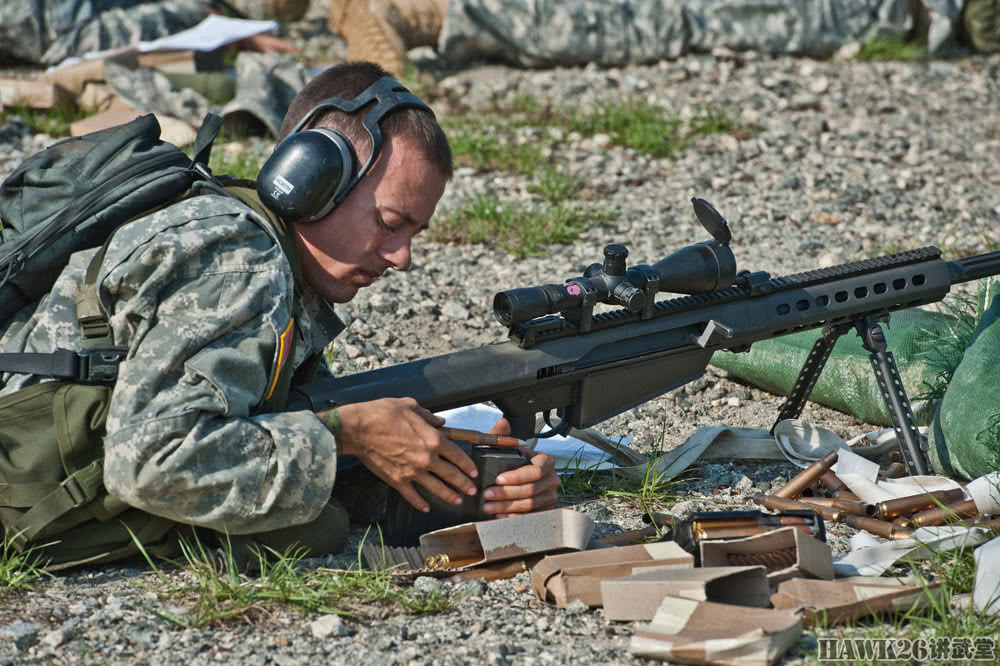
<point>985,492</point>
<point>212,33</point>
<point>986,591</point>
<point>571,454</point>
<point>923,543</point>
<point>861,476</point>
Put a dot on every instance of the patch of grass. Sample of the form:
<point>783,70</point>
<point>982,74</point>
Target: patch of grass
<point>55,121</point>
<point>488,145</point>
<point>647,127</point>
<point>632,124</point>
<point>652,491</point>
<point>216,590</point>
<point>18,570</point>
<point>556,185</point>
<point>935,620</point>
<point>946,345</point>
<point>518,229</point>
<point>891,48</point>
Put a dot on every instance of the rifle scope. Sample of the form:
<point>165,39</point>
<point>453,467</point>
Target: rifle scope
<point>697,269</point>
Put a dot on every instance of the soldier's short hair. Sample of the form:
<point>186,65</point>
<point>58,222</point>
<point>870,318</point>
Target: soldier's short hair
<point>348,80</point>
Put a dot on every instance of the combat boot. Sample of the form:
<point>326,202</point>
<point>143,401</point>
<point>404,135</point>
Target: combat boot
<point>382,31</point>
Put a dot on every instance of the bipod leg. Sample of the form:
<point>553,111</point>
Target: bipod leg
<point>894,395</point>
<point>810,372</point>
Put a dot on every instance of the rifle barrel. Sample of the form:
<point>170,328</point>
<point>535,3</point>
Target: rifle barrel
<point>975,267</point>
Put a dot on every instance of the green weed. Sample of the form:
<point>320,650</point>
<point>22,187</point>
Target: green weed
<point>55,121</point>
<point>490,145</point>
<point>946,345</point>
<point>18,570</point>
<point>518,229</point>
<point>556,185</point>
<point>215,588</point>
<point>237,163</point>
<point>891,48</point>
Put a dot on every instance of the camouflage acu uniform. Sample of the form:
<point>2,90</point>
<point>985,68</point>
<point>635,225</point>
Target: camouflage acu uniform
<point>541,33</point>
<point>200,293</point>
<point>49,31</point>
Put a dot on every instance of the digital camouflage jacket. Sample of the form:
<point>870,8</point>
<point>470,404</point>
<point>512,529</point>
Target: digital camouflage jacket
<point>201,294</point>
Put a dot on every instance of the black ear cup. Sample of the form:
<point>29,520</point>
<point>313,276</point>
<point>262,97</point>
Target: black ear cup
<point>307,174</point>
<point>313,170</point>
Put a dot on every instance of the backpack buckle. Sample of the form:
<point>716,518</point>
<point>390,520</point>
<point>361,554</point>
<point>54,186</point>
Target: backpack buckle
<point>100,365</point>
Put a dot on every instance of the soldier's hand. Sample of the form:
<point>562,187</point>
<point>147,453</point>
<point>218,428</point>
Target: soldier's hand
<point>399,441</point>
<point>533,487</point>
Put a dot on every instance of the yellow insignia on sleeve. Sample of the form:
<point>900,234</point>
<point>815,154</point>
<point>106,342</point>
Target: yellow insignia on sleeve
<point>284,351</point>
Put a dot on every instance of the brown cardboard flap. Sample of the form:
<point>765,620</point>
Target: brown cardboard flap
<point>703,632</point>
<point>562,579</point>
<point>75,77</point>
<point>839,602</point>
<point>168,61</point>
<point>637,597</point>
<point>33,94</point>
<point>787,553</point>
<point>505,538</point>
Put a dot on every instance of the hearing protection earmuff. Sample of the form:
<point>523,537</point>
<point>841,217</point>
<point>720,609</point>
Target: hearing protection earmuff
<point>313,170</point>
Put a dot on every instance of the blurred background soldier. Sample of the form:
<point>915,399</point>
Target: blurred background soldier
<point>547,33</point>
<point>49,31</point>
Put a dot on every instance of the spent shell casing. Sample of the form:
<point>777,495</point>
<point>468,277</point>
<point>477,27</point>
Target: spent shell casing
<point>902,506</point>
<point>806,477</point>
<point>832,481</point>
<point>818,501</point>
<point>877,527</point>
<point>853,507</point>
<point>776,503</point>
<point>948,513</point>
<point>844,493</point>
<point>705,534</point>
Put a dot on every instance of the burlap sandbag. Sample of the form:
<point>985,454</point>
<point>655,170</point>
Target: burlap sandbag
<point>848,381</point>
<point>965,434</point>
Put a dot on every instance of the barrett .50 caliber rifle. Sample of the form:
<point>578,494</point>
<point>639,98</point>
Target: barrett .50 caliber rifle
<point>561,357</point>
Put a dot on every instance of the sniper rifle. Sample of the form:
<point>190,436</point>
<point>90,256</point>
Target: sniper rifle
<point>561,357</point>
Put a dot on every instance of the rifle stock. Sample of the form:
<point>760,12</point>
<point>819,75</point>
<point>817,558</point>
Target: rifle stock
<point>589,367</point>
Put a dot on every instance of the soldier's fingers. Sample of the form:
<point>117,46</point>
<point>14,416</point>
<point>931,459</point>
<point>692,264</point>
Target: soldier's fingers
<point>454,454</point>
<point>408,493</point>
<point>522,491</point>
<point>546,500</point>
<point>436,487</point>
<point>446,471</point>
<point>501,427</point>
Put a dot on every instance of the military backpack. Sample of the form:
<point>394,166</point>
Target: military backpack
<point>69,197</point>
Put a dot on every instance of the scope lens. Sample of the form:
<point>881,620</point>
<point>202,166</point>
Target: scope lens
<point>502,309</point>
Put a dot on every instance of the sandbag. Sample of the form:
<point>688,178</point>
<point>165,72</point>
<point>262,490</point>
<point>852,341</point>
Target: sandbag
<point>965,433</point>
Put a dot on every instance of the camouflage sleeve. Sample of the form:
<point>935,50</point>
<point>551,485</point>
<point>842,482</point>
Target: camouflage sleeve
<point>49,31</point>
<point>544,33</point>
<point>203,299</point>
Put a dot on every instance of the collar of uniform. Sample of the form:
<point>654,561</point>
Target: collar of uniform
<point>326,325</point>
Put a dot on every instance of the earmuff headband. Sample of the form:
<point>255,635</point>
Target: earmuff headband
<point>388,95</point>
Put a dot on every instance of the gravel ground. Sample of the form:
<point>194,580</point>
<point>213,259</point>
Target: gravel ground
<point>843,160</point>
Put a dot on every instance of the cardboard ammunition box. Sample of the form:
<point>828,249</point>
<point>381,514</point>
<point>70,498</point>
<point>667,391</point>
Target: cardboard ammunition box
<point>702,632</point>
<point>33,94</point>
<point>839,602</point>
<point>484,541</point>
<point>562,579</point>
<point>786,553</point>
<point>637,597</point>
<point>76,77</point>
